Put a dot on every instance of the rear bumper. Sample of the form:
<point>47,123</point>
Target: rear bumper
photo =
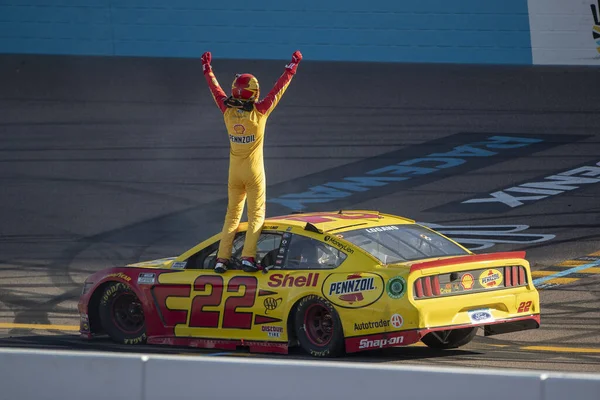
<point>494,328</point>
<point>408,337</point>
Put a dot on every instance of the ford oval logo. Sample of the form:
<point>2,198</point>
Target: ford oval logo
<point>479,316</point>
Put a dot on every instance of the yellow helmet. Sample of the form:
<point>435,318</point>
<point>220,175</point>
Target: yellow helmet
<point>245,87</point>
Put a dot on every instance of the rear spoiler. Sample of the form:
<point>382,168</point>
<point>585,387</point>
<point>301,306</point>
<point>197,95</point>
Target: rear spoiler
<point>467,259</point>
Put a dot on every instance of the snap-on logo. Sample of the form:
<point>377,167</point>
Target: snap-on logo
<point>380,343</point>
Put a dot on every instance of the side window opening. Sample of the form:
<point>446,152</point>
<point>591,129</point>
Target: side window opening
<point>308,253</point>
<point>267,246</point>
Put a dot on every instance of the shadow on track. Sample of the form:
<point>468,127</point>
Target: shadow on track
<point>73,342</point>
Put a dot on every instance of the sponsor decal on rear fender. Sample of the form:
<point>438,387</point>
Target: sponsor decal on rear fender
<point>353,290</point>
<point>381,340</point>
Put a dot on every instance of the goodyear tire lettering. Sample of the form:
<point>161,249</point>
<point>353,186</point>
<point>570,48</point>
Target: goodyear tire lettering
<point>138,340</point>
<point>105,311</point>
<point>112,290</point>
<point>319,353</point>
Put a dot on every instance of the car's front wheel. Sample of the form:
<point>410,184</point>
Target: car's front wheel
<point>122,315</point>
<point>318,327</point>
<point>449,339</point>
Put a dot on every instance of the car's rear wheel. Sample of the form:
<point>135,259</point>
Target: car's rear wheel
<point>449,339</point>
<point>122,315</point>
<point>318,327</point>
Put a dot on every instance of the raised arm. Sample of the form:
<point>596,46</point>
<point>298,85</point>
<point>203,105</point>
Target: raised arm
<point>215,89</point>
<point>267,104</point>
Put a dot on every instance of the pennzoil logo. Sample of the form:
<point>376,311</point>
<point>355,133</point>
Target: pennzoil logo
<point>242,139</point>
<point>354,290</point>
<point>490,278</point>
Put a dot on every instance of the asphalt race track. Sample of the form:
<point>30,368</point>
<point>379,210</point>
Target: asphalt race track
<point>108,161</point>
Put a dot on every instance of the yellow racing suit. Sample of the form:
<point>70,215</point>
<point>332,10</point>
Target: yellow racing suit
<point>246,130</point>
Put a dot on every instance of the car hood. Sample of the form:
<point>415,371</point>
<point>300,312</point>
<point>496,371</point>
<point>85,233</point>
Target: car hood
<point>156,264</point>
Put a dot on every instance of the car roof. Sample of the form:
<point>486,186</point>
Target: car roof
<point>339,221</point>
<point>323,222</point>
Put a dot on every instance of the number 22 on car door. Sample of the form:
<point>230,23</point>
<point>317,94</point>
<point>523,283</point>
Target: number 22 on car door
<point>218,305</point>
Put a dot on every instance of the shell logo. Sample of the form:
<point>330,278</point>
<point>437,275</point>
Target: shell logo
<point>467,281</point>
<point>490,278</point>
<point>239,129</point>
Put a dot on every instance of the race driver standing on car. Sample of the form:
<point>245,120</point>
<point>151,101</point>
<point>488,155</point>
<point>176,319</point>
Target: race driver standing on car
<point>245,119</point>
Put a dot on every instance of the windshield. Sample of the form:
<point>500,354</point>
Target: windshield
<point>396,243</point>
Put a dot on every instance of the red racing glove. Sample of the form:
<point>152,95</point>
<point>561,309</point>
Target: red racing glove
<point>206,59</point>
<point>296,58</point>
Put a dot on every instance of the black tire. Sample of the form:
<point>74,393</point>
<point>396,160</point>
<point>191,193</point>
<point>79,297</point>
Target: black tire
<point>456,338</point>
<point>122,315</point>
<point>318,327</point>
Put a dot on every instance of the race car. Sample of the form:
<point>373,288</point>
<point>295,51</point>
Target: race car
<point>330,282</point>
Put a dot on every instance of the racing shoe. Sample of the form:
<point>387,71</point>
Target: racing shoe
<point>221,266</point>
<point>249,265</point>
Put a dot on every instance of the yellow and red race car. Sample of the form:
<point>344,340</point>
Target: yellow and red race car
<point>331,282</point>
